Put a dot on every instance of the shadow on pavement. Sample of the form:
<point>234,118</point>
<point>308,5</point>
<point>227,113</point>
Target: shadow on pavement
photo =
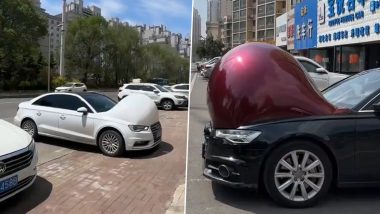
<point>68,144</point>
<point>352,200</point>
<point>162,149</point>
<point>29,198</point>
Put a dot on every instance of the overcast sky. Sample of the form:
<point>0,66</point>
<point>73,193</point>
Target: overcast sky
<point>175,14</point>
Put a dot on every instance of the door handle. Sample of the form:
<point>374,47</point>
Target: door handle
<point>62,117</point>
<point>38,113</point>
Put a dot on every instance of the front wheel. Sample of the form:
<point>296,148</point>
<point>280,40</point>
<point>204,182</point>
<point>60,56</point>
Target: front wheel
<point>298,174</point>
<point>30,127</point>
<point>111,143</point>
<point>167,105</point>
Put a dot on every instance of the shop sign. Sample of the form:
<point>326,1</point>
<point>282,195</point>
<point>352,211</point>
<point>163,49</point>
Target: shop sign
<point>290,30</point>
<point>343,22</point>
<point>305,14</point>
<point>281,22</point>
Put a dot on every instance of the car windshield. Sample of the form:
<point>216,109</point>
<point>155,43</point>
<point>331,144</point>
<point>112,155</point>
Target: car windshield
<point>68,84</point>
<point>353,90</point>
<point>99,102</point>
<point>161,88</point>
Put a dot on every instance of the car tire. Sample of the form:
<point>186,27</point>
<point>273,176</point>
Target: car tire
<point>111,143</point>
<point>302,185</point>
<point>167,104</point>
<point>30,126</point>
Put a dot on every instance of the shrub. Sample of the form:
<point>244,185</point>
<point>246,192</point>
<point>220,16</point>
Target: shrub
<point>59,81</point>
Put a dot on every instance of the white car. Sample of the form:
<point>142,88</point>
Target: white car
<point>18,160</point>
<point>93,118</point>
<point>161,96</point>
<point>181,88</point>
<point>322,78</point>
<point>72,87</point>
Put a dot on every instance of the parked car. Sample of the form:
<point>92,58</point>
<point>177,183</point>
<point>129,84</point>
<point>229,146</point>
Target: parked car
<point>319,74</point>
<point>181,88</point>
<point>18,160</point>
<point>168,87</point>
<point>285,136</point>
<point>207,70</point>
<point>209,62</point>
<point>72,87</point>
<point>162,97</point>
<point>160,81</point>
<point>93,118</point>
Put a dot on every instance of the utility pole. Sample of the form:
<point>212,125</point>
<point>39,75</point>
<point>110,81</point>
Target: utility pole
<point>62,54</point>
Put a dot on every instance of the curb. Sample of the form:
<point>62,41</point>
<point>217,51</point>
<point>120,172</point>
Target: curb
<point>178,203</point>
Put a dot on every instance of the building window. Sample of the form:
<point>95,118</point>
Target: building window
<point>270,34</point>
<point>261,23</point>
<point>242,4</point>
<point>270,22</point>
<point>350,59</point>
<point>243,26</point>
<point>243,14</point>
<point>260,35</point>
<point>267,1</point>
<point>242,37</point>
<point>236,5</point>
<point>236,27</point>
<point>261,2</point>
<point>261,11</point>
<point>236,16</point>
<point>270,9</point>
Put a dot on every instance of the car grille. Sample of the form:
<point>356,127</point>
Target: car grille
<point>20,185</point>
<point>17,163</point>
<point>157,131</point>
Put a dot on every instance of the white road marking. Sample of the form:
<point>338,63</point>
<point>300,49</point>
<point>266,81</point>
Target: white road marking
<point>193,81</point>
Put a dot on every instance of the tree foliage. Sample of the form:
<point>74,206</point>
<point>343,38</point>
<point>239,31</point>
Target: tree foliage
<point>210,48</point>
<point>113,54</point>
<point>21,26</point>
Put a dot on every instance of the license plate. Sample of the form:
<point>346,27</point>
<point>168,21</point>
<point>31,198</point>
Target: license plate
<point>8,184</point>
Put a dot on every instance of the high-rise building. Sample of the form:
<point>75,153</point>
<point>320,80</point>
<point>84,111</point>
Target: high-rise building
<point>213,18</point>
<point>196,27</point>
<point>267,12</point>
<point>76,9</point>
<point>154,34</point>
<point>226,22</point>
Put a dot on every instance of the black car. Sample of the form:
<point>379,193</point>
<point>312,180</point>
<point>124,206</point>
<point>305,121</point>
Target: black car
<point>297,159</point>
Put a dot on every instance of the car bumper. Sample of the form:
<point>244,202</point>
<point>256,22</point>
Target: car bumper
<point>144,140</point>
<point>182,103</point>
<point>26,178</point>
<point>232,165</point>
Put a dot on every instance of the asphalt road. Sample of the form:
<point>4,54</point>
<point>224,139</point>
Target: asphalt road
<point>204,196</point>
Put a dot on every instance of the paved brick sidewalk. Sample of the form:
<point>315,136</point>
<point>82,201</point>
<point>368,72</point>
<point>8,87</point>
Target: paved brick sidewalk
<point>88,182</point>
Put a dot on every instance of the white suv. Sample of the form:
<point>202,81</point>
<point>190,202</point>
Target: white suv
<point>322,78</point>
<point>161,96</point>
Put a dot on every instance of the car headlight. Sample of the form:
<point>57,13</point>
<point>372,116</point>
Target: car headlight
<point>31,145</point>
<point>237,136</point>
<point>138,128</point>
<point>179,97</point>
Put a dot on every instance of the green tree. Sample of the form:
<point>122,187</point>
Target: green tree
<point>210,48</point>
<point>21,26</point>
<point>85,43</point>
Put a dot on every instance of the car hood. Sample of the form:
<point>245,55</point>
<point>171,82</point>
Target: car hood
<point>258,82</point>
<point>62,88</point>
<point>137,109</point>
<point>13,138</point>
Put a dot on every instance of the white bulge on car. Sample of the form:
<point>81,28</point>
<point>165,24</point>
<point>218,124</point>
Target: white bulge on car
<point>18,160</point>
<point>93,118</point>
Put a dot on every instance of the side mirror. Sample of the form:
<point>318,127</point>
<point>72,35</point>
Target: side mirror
<point>376,107</point>
<point>82,110</point>
<point>156,91</point>
<point>320,71</point>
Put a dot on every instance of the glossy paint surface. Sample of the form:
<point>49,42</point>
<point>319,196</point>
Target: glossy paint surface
<point>259,82</point>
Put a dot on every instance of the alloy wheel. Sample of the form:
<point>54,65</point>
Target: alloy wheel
<point>167,105</point>
<point>28,126</point>
<point>299,175</point>
<point>110,143</point>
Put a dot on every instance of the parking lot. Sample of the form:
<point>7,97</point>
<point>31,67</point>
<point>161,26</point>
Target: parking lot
<point>203,196</point>
<point>77,178</point>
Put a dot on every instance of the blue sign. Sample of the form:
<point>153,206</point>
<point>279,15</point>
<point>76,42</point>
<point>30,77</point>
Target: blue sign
<point>305,21</point>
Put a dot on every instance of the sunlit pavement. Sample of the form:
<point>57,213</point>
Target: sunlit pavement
<point>203,196</point>
<point>77,178</point>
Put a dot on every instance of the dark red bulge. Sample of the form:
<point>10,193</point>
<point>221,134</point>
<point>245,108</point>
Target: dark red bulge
<point>259,82</point>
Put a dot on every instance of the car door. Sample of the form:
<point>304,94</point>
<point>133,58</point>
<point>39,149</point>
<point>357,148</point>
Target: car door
<point>368,143</point>
<point>74,125</point>
<point>320,79</point>
<point>78,87</point>
<point>149,91</point>
<point>45,113</point>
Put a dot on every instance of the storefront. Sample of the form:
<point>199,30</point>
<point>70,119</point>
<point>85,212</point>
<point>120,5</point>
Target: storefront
<point>347,33</point>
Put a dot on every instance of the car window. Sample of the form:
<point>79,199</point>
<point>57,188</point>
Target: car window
<point>99,102</point>
<point>68,85</point>
<point>162,89</point>
<point>68,102</point>
<point>134,87</point>
<point>310,67</point>
<point>183,87</point>
<point>353,90</point>
<point>78,85</point>
<point>148,88</point>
